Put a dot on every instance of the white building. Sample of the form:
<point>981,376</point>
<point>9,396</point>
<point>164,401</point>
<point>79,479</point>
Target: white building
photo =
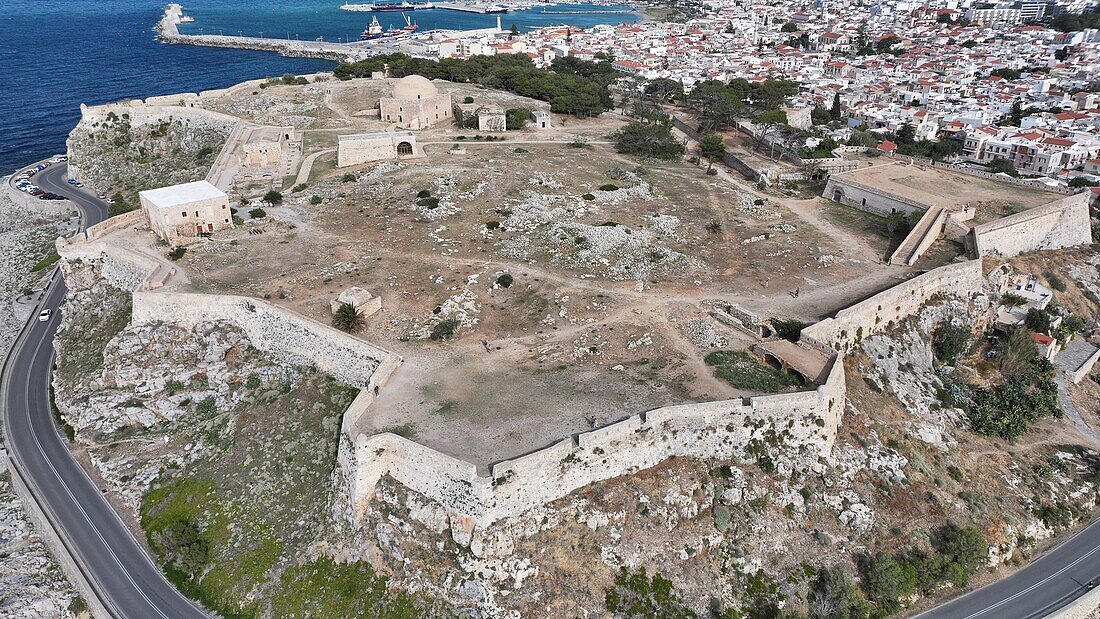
<point>180,213</point>
<point>383,145</point>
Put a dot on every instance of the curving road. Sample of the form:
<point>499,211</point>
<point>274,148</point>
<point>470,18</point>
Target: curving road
<point>1060,576</point>
<point>123,576</point>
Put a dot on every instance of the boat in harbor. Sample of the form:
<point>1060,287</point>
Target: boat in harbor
<point>374,30</point>
<point>382,7</point>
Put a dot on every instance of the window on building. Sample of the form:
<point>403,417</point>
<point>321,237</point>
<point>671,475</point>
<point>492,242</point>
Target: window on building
<point>226,221</point>
<point>183,214</point>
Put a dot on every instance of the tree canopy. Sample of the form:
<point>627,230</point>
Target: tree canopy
<point>571,86</point>
<point>648,140</point>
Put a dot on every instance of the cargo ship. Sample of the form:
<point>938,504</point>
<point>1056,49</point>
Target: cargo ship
<point>387,7</point>
<point>374,30</point>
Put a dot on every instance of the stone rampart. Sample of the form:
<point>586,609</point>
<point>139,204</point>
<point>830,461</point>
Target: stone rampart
<point>290,337</point>
<point>804,421</point>
<point>887,308</point>
<point>140,113</point>
<point>1062,223</point>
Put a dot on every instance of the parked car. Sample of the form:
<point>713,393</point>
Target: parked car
<point>71,181</point>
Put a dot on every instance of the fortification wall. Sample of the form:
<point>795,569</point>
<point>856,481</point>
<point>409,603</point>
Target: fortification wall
<point>293,338</point>
<point>806,422</point>
<point>141,113</point>
<point>851,325</point>
<point>1062,223</point>
<point>867,198</point>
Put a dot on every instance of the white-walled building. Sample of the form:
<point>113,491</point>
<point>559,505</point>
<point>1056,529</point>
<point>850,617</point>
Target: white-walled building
<point>381,146</point>
<point>181,213</point>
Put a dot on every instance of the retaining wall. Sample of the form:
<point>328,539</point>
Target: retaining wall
<point>1062,223</point>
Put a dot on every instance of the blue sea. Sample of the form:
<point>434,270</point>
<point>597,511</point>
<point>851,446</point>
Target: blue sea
<point>57,54</point>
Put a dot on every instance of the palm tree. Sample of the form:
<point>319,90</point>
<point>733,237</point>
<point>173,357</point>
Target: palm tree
<point>346,318</point>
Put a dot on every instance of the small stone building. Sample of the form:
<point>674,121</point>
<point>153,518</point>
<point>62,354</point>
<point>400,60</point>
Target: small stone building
<point>542,119</point>
<point>489,116</point>
<point>415,104</point>
<point>180,213</point>
<point>362,300</point>
<point>362,148</point>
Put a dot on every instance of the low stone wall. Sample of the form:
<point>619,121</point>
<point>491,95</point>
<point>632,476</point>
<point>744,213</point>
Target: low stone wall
<point>887,308</point>
<point>1062,223</point>
<point>804,421</point>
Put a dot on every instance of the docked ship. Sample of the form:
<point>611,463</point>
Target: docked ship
<point>383,7</point>
<point>374,30</point>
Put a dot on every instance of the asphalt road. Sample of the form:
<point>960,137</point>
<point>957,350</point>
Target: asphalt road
<point>1046,584</point>
<point>129,584</point>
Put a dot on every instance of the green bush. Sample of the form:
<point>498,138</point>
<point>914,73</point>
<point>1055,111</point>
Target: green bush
<point>609,187</point>
<point>257,213</point>
<point>636,595</point>
<point>949,342</point>
<point>505,280</point>
<point>444,330</point>
<point>588,197</point>
<point>1038,320</point>
<point>315,200</point>
<point>786,328</point>
<point>424,193</point>
<point>348,178</point>
<point>300,187</point>
<point>492,225</point>
<point>273,197</point>
<point>176,253</point>
<point>429,203</point>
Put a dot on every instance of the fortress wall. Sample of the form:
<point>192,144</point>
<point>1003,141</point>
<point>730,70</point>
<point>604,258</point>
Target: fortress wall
<point>804,421</point>
<point>891,306</point>
<point>142,113</point>
<point>1062,223</point>
<point>289,336</point>
<point>867,198</point>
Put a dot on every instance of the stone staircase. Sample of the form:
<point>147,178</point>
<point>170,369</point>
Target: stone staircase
<point>920,238</point>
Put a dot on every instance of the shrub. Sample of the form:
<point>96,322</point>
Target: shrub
<point>423,193</point>
<point>176,253</point>
<point>429,203</point>
<point>257,213</point>
<point>1038,320</point>
<point>445,330</point>
<point>949,341</point>
<point>589,197</point>
<point>348,178</point>
<point>714,227</point>
<point>505,280</point>
<point>609,187</point>
<point>638,595</point>
<point>1011,299</point>
<point>315,200</point>
<point>468,100</point>
<point>299,187</point>
<point>492,225</point>
<point>273,197</point>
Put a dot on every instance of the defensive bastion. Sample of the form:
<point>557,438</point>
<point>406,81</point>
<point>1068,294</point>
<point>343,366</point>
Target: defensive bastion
<point>475,496</point>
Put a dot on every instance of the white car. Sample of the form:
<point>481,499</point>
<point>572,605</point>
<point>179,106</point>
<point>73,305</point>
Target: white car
<point>44,315</point>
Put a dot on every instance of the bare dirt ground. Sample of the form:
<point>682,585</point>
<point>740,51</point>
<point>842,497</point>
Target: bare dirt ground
<point>947,188</point>
<point>578,281</point>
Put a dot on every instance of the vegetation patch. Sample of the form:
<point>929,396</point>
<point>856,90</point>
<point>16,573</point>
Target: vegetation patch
<point>741,370</point>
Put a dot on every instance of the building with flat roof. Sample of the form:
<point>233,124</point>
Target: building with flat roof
<point>181,213</point>
<point>381,146</point>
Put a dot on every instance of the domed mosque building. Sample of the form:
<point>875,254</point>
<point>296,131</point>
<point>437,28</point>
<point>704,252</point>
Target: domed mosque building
<point>416,104</point>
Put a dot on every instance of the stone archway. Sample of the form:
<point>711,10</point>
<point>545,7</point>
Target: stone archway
<point>404,149</point>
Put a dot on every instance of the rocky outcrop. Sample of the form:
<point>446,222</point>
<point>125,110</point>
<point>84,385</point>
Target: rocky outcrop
<point>130,148</point>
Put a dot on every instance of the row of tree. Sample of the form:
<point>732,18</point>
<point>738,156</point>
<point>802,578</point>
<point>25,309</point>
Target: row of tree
<point>571,86</point>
